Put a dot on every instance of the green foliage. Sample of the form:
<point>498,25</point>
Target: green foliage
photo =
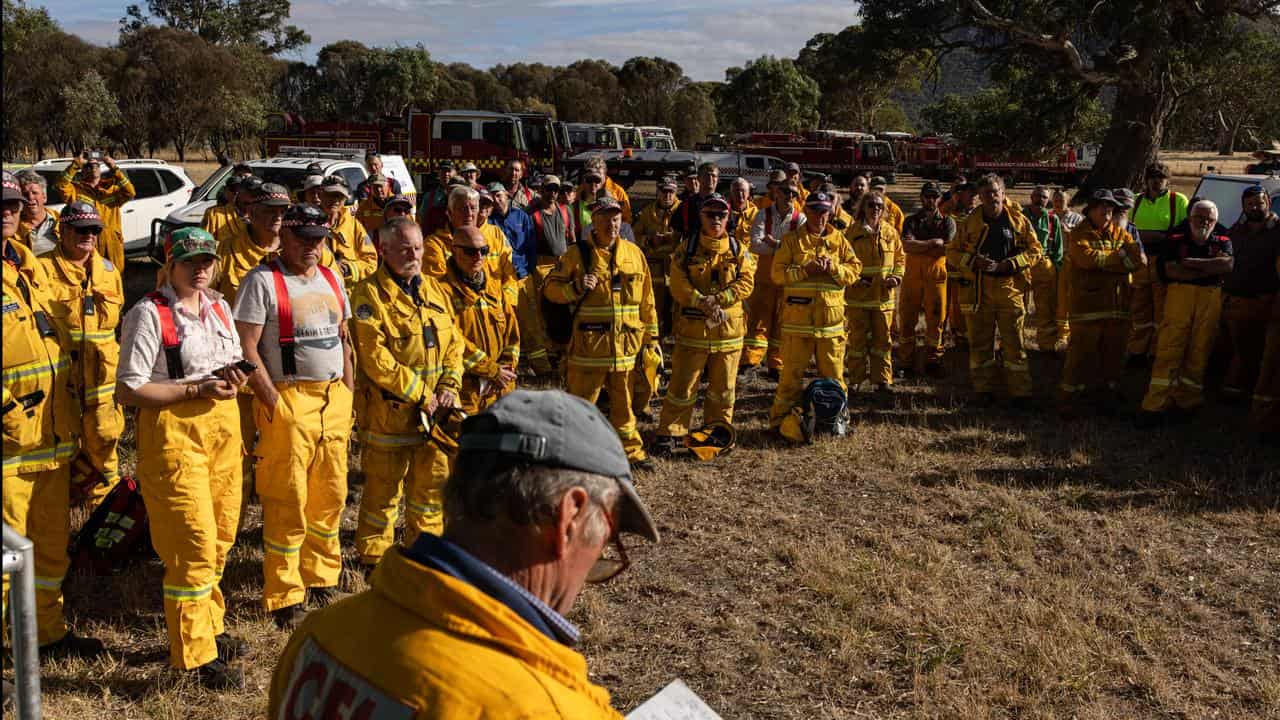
<point>1234,103</point>
<point>693,115</point>
<point>769,94</point>
<point>356,83</point>
<point>222,22</point>
<point>88,108</point>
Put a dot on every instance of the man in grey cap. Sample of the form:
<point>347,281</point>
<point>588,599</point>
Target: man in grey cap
<point>473,622</point>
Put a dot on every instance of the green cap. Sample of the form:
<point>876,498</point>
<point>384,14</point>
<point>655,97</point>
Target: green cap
<point>189,242</point>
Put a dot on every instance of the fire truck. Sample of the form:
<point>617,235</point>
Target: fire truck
<point>1069,167</point>
<point>931,157</point>
<point>839,154</point>
<point>487,139</point>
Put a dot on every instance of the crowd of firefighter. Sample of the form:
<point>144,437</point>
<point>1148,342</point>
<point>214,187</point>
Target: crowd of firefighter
<point>294,325</point>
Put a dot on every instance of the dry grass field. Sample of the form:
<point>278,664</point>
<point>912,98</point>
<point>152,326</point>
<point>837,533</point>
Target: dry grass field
<point>942,561</point>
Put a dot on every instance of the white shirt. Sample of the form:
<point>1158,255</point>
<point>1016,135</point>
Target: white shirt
<point>207,344</point>
<point>781,226</point>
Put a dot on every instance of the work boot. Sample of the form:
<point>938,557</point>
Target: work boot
<point>73,645</point>
<point>230,647</point>
<point>218,675</point>
<point>884,389</point>
<point>644,464</point>
<point>287,618</point>
<point>322,597</point>
<point>664,446</point>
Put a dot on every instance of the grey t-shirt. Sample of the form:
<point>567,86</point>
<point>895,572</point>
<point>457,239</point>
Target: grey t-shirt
<point>317,314</point>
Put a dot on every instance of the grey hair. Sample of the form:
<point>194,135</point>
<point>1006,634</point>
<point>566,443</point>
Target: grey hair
<point>596,162</point>
<point>394,227</point>
<point>1204,203</point>
<point>31,177</point>
<point>485,490</point>
<point>462,194</point>
<point>1038,188</point>
<point>741,181</point>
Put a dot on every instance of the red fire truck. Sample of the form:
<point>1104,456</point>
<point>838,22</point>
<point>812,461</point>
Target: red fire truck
<point>1069,168</point>
<point>931,157</point>
<point>837,153</point>
<point>425,139</point>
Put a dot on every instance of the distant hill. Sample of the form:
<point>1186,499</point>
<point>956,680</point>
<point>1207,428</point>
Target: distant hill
<point>962,72</point>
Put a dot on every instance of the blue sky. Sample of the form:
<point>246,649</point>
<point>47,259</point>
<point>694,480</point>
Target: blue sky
<point>705,38</point>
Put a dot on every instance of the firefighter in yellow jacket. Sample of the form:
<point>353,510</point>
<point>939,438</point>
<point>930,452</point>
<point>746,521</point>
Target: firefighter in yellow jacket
<point>486,320</point>
<point>83,181</point>
<point>783,215</point>
<point>227,210</point>
<point>711,278</point>
<point>349,242</point>
<point>614,318</point>
<point>870,301</point>
<point>410,361</point>
<point>655,236</point>
<point>88,295</point>
<point>456,626</point>
<point>813,265</point>
<point>464,210</point>
<point>1101,255</point>
<point>40,430</point>
<point>892,213</point>
<point>994,248</point>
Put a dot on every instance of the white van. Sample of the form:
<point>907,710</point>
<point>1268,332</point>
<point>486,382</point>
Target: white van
<point>1225,192</point>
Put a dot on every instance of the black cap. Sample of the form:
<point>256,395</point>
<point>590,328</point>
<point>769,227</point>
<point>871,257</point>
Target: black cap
<point>1103,196</point>
<point>80,214</point>
<point>251,184</point>
<point>554,428</point>
<point>819,201</point>
<point>306,221</point>
<point>315,169</point>
<point>714,200</point>
<point>444,165</point>
<point>931,188</point>
<point>272,195</point>
<point>793,167</point>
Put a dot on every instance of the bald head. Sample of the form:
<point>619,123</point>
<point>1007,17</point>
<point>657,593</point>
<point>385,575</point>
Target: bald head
<point>470,248</point>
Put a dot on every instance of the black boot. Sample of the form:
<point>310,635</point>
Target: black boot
<point>287,618</point>
<point>218,675</point>
<point>230,648</point>
<point>73,645</point>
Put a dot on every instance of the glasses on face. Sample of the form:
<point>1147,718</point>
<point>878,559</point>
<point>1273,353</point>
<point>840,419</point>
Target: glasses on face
<point>716,215</point>
<point>91,230</point>
<point>613,559</point>
<point>875,206</point>
<point>398,210</point>
<point>482,251</point>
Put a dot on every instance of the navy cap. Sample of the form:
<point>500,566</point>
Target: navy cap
<point>1253,190</point>
<point>667,183</point>
<point>714,200</point>
<point>554,428</point>
<point>78,214</point>
<point>820,201</point>
<point>931,188</point>
<point>306,221</point>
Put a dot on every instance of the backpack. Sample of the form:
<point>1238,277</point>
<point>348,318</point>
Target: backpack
<point>825,409</point>
<point>116,535</point>
<point>557,318</point>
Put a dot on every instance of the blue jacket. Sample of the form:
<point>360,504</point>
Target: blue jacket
<point>518,227</point>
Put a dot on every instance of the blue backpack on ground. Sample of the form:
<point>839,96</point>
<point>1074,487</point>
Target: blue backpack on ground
<point>825,409</point>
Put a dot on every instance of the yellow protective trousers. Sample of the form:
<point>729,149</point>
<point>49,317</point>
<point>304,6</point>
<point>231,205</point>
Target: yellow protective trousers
<point>645,377</point>
<point>189,457</point>
<point>955,316</point>
<point>100,429</point>
<point>248,437</point>
<point>1049,319</point>
<point>999,306</point>
<point>1186,336</point>
<point>301,477</point>
<point>869,344</point>
<point>587,382</point>
<point>1147,310</point>
<point>1264,415</point>
<point>534,344</point>
<point>35,505</point>
<point>1095,358</point>
<point>682,389</point>
<point>1246,322</point>
<point>797,349</point>
<point>394,465</point>
<point>763,341</point>
<point>924,289</point>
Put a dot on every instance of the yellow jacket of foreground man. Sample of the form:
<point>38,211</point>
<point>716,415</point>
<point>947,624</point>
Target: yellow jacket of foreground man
<point>423,645</point>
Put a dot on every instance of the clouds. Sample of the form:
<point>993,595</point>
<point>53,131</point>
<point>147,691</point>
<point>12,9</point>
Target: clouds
<point>703,37</point>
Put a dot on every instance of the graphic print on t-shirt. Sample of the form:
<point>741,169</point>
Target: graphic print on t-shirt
<point>316,316</point>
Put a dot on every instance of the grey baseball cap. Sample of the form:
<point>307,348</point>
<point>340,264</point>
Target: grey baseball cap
<point>1125,198</point>
<point>552,427</point>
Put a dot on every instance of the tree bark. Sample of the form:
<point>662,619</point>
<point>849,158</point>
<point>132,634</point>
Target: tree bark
<point>1133,140</point>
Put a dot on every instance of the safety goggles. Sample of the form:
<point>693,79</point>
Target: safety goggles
<point>613,559</point>
<point>469,251</point>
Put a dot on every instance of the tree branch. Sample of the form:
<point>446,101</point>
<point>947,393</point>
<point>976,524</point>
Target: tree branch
<point>1057,44</point>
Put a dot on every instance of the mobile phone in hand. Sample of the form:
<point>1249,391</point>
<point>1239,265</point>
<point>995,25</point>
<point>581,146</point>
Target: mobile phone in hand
<point>246,367</point>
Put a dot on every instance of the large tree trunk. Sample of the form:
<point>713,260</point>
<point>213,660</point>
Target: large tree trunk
<point>1133,140</point>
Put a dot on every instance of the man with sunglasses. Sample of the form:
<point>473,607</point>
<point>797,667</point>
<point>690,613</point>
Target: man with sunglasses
<point>409,353</point>
<point>472,623</point>
<point>782,215</point>
<point>486,317</point>
<point>614,319</point>
<point>353,251</point>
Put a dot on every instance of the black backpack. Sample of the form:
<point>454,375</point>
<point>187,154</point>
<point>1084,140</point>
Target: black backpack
<point>557,318</point>
<point>826,410</point>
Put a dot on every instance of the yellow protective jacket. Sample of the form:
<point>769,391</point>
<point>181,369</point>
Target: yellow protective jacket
<point>238,254</point>
<point>219,216</point>
<point>716,269</point>
<point>501,260</point>
<point>841,219</point>
<point>746,218</point>
<point>882,256</point>
<point>970,234</point>
<point>620,195</point>
<point>349,242</point>
<point>1099,265</point>
<point>656,238</point>
<point>422,645</point>
<point>618,317</point>
<point>24,230</point>
<point>814,306</point>
<point>108,201</point>
<point>369,213</point>
<point>892,214</point>
<point>40,418</point>
<point>487,321</point>
<point>406,351</point>
<point>89,301</point>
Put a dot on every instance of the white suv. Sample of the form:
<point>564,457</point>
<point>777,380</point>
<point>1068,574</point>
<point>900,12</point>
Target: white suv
<point>1225,192</point>
<point>161,187</point>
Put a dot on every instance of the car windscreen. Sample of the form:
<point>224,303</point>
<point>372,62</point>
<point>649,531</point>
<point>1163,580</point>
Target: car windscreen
<point>1225,193</point>
<point>291,178</point>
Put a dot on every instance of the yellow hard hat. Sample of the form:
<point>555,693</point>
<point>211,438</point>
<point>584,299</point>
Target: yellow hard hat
<point>711,441</point>
<point>792,427</point>
<point>446,427</point>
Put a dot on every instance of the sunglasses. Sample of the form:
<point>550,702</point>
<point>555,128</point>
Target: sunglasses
<point>398,210</point>
<point>613,560</point>
<point>875,206</point>
<point>469,251</point>
<point>716,215</point>
<point>89,230</point>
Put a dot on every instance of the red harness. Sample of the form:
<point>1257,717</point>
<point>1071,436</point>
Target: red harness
<point>169,332</point>
<point>284,314</point>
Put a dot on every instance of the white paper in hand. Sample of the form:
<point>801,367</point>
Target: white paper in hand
<point>674,702</point>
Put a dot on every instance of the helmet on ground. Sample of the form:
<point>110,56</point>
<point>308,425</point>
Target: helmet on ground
<point>712,440</point>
